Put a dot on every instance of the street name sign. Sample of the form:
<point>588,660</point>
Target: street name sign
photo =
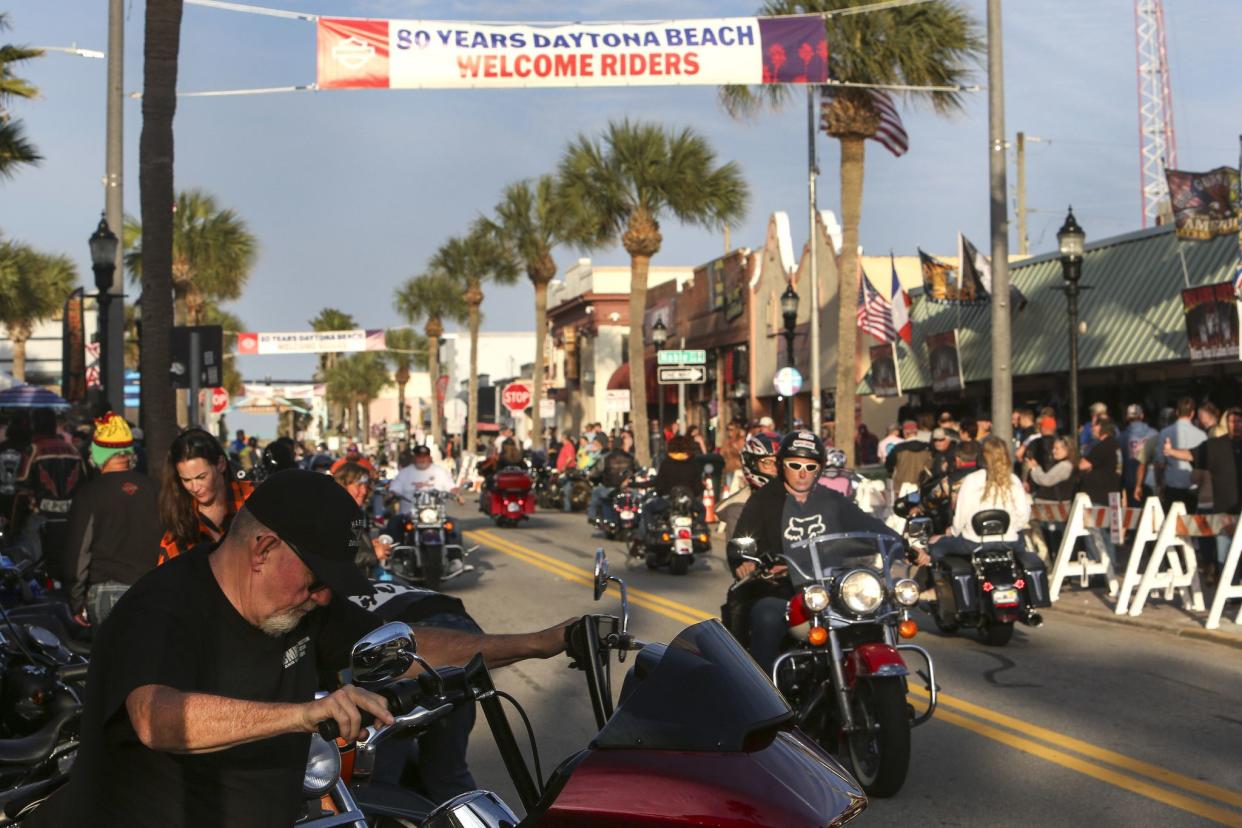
<point>675,374</point>
<point>681,358</point>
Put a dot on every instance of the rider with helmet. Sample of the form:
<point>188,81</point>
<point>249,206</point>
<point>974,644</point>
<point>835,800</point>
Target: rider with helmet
<point>789,508</point>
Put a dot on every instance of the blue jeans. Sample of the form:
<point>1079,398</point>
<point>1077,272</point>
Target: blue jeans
<point>101,598</point>
<point>767,631</point>
<point>601,502</point>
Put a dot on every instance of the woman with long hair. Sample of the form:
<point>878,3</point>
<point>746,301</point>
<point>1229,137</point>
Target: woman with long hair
<point>199,495</point>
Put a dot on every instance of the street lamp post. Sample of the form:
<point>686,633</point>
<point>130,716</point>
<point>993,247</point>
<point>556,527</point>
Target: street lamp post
<point>789,310</point>
<point>659,335</point>
<point>103,244</point>
<point>1070,240</point>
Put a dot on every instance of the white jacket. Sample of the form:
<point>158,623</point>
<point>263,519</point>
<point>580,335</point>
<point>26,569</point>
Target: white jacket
<point>970,502</point>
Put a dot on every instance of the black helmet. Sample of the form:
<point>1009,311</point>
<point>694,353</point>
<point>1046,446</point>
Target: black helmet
<point>279,455</point>
<point>801,444</point>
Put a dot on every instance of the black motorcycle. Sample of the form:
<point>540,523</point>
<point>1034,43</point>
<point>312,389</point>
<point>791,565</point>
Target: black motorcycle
<point>620,517</point>
<point>423,554</point>
<point>674,533</point>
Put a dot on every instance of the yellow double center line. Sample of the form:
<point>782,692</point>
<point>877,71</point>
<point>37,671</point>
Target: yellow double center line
<point>1051,746</point>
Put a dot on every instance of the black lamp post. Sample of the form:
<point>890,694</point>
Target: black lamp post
<point>789,310</point>
<point>1070,239</point>
<point>659,335</point>
<point>103,244</point>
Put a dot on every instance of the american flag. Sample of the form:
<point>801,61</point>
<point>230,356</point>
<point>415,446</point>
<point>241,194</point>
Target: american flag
<point>890,133</point>
<point>875,316</point>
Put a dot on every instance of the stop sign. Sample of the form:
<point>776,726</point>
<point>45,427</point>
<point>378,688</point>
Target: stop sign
<point>219,400</point>
<point>516,397</point>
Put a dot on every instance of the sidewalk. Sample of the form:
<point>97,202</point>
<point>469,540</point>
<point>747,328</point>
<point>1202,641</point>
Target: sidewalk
<point>1163,616</point>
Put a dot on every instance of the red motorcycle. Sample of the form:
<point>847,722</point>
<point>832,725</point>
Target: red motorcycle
<point>511,498</point>
<point>699,737</point>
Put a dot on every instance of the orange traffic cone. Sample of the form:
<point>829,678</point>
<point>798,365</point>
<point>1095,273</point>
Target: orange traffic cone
<point>709,500</point>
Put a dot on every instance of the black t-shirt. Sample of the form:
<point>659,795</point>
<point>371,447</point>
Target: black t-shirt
<point>175,627</point>
<point>114,532</point>
<point>1221,457</point>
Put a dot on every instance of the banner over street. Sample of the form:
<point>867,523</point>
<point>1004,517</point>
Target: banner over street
<point>358,53</point>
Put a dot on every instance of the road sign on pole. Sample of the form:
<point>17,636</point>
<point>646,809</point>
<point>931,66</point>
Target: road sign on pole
<point>679,374</point>
<point>681,357</point>
<point>516,397</point>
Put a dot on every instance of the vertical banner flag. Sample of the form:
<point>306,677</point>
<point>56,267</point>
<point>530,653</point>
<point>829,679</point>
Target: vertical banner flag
<point>944,284</point>
<point>946,361</point>
<point>1211,322</point>
<point>885,379</point>
<point>1205,204</point>
<point>434,54</point>
<point>977,269</point>
<point>73,350</point>
<point>899,302</point>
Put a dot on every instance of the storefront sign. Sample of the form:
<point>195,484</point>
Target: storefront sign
<point>1211,322</point>
<point>946,362</point>
<point>885,379</point>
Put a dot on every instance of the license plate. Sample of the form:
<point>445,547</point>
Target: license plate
<point>55,506</point>
<point>514,507</point>
<point>681,521</point>
<point>626,514</point>
<point>683,547</point>
<point>1007,597</point>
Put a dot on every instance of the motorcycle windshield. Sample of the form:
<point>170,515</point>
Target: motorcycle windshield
<point>811,560</point>
<point>701,692</point>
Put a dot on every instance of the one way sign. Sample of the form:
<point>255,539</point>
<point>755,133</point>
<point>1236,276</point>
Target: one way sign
<point>676,374</point>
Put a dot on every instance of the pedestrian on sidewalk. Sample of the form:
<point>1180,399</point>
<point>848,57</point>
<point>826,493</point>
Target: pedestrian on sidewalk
<point>1221,459</point>
<point>1134,442</point>
<point>1183,434</point>
<point>1100,477</point>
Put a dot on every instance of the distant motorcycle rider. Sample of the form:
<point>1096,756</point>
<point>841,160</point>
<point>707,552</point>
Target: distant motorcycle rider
<point>788,509</point>
<point>613,471</point>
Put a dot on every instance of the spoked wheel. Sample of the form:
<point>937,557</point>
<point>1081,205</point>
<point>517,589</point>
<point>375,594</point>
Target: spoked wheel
<point>879,751</point>
<point>996,634</point>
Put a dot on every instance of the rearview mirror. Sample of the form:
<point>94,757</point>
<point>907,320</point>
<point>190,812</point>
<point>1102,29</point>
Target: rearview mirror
<point>384,654</point>
<point>744,548</point>
<point>601,573</point>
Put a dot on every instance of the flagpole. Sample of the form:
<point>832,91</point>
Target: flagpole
<point>1002,379</point>
<point>816,412</point>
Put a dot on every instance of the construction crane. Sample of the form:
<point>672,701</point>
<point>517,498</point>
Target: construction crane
<point>1157,141</point>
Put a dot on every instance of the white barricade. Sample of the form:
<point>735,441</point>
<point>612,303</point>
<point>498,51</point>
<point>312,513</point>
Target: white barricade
<point>1082,518</point>
<point>1150,521</point>
<point>1181,578</point>
<point>1225,589</point>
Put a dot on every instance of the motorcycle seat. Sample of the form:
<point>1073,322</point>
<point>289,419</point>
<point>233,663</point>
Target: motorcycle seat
<point>957,565</point>
<point>32,749</point>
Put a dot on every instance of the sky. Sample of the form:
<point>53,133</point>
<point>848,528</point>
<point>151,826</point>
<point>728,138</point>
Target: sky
<point>349,192</point>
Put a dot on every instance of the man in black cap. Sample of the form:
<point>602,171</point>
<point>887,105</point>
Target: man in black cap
<point>200,699</point>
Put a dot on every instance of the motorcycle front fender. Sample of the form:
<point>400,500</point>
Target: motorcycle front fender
<point>876,660</point>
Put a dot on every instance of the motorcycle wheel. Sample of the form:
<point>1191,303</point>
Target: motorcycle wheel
<point>879,753</point>
<point>653,562</point>
<point>946,627</point>
<point>433,569</point>
<point>994,634</point>
<point>679,564</point>
<point>580,497</point>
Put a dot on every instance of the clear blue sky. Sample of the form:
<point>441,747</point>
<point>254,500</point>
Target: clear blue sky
<point>349,192</point>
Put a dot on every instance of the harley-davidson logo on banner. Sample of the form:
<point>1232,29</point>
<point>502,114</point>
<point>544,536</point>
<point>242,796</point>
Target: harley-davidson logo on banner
<point>945,361</point>
<point>310,342</point>
<point>428,54</point>
<point>1211,322</point>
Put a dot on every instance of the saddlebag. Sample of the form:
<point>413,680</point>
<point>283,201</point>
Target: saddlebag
<point>1036,581</point>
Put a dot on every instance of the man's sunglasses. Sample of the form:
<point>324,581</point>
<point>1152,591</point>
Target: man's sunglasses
<point>316,584</point>
<point>794,465</point>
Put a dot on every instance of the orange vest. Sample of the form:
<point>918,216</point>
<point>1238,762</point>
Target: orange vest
<point>169,548</point>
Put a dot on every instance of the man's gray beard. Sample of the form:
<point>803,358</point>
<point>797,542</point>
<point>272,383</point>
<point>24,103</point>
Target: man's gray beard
<point>285,622</point>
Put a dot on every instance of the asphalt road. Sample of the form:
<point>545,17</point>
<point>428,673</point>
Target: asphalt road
<point>1076,723</point>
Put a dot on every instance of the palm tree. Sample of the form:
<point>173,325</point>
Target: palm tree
<point>406,350</point>
<point>435,297</point>
<point>355,381</point>
<point>619,189</point>
<point>15,149</point>
<point>928,44</point>
<point>331,319</point>
<point>529,223</point>
<point>213,253</point>
<point>33,287</point>
<point>162,43</point>
<point>473,260</point>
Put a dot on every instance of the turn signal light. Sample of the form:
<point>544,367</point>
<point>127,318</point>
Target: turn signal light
<point>703,538</point>
<point>818,636</point>
<point>987,586</point>
<point>409,527</point>
<point>907,629</point>
<point>448,526</point>
<point>666,537</point>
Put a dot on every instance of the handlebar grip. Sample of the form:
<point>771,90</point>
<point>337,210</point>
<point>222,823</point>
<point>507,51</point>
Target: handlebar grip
<point>331,731</point>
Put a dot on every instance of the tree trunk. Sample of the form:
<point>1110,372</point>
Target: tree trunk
<point>366,420</point>
<point>472,402</point>
<point>541,328</point>
<point>162,43</point>
<point>638,372</point>
<point>852,155</point>
<point>19,355</point>
<point>433,332</point>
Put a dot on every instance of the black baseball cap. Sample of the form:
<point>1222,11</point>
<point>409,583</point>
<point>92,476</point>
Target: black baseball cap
<point>319,521</point>
<point>422,448</point>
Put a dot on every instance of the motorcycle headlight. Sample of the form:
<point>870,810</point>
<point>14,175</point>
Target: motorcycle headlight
<point>861,592</point>
<point>815,598</point>
<point>906,592</point>
<point>429,515</point>
<point>323,767</point>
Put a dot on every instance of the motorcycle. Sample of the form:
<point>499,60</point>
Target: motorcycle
<point>989,589</point>
<point>422,556</point>
<point>547,487</point>
<point>621,516</point>
<point>699,736</point>
<point>510,499</point>
<point>673,536</point>
<point>842,666</point>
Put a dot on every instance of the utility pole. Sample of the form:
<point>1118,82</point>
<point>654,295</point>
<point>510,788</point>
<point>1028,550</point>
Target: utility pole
<point>1002,380</point>
<point>812,172</point>
<point>1023,248</point>
<point>114,371</point>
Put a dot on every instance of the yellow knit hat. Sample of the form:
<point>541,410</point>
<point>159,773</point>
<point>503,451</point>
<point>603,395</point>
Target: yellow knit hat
<point>112,436</point>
